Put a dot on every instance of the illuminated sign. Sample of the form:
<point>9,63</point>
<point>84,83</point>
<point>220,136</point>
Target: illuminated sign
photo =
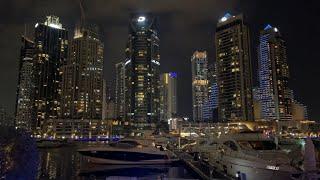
<point>274,168</point>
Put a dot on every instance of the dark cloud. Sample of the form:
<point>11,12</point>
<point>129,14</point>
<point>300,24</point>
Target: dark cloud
<point>185,26</point>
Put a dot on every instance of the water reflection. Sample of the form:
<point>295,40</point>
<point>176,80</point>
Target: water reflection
<point>59,163</point>
<point>66,163</point>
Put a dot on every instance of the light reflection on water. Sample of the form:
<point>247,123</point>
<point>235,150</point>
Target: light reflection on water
<point>66,163</point>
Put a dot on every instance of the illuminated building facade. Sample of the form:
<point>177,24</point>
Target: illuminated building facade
<point>256,103</point>
<point>51,50</point>
<point>299,111</point>
<point>168,95</point>
<point>274,76</point>
<point>120,91</point>
<point>142,71</point>
<point>210,109</point>
<point>24,113</point>
<point>109,105</point>
<point>234,69</point>
<point>199,65</point>
<point>82,93</point>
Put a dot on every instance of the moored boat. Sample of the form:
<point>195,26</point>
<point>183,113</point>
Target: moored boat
<point>128,151</point>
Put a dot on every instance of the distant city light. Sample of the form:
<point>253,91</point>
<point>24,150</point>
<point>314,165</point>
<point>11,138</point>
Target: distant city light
<point>36,25</point>
<point>173,74</point>
<point>275,29</point>
<point>141,19</point>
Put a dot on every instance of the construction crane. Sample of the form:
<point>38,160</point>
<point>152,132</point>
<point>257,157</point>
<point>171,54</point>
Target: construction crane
<point>82,20</point>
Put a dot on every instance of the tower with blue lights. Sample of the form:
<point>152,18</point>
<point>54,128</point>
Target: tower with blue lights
<point>273,76</point>
<point>210,108</point>
<point>199,65</point>
<point>142,68</point>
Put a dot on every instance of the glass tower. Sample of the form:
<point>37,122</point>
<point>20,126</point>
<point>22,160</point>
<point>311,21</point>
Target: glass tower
<point>51,50</point>
<point>82,90</point>
<point>120,89</point>
<point>168,96</point>
<point>210,111</point>
<point>273,76</point>
<point>25,91</point>
<point>142,70</point>
<point>234,69</point>
<point>199,65</point>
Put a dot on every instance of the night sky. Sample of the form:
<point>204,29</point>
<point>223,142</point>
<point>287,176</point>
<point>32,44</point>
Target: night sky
<point>185,26</point>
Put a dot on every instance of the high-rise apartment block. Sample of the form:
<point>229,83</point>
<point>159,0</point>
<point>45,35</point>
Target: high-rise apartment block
<point>24,113</point>
<point>199,65</point>
<point>82,93</point>
<point>142,71</point>
<point>51,51</point>
<point>274,76</point>
<point>120,91</point>
<point>234,75</point>
<point>210,109</point>
<point>168,95</point>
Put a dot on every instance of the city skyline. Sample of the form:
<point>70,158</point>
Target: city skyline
<point>186,109</point>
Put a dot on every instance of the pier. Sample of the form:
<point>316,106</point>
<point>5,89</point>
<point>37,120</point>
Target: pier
<point>201,169</point>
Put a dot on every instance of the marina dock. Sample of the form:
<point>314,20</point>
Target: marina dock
<point>201,169</point>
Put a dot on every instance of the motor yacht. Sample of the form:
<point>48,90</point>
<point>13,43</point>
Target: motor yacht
<point>129,151</point>
<point>249,156</point>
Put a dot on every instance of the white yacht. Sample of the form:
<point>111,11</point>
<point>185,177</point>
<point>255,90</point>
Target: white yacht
<point>249,156</point>
<point>129,151</point>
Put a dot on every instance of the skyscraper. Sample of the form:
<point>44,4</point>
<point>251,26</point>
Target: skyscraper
<point>142,70</point>
<point>199,65</point>
<point>109,106</point>
<point>51,50</point>
<point>24,113</point>
<point>210,109</point>
<point>274,76</point>
<point>256,94</point>
<point>234,69</point>
<point>82,76</point>
<point>168,95</point>
<point>120,91</point>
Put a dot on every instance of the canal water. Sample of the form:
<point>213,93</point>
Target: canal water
<point>66,163</point>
